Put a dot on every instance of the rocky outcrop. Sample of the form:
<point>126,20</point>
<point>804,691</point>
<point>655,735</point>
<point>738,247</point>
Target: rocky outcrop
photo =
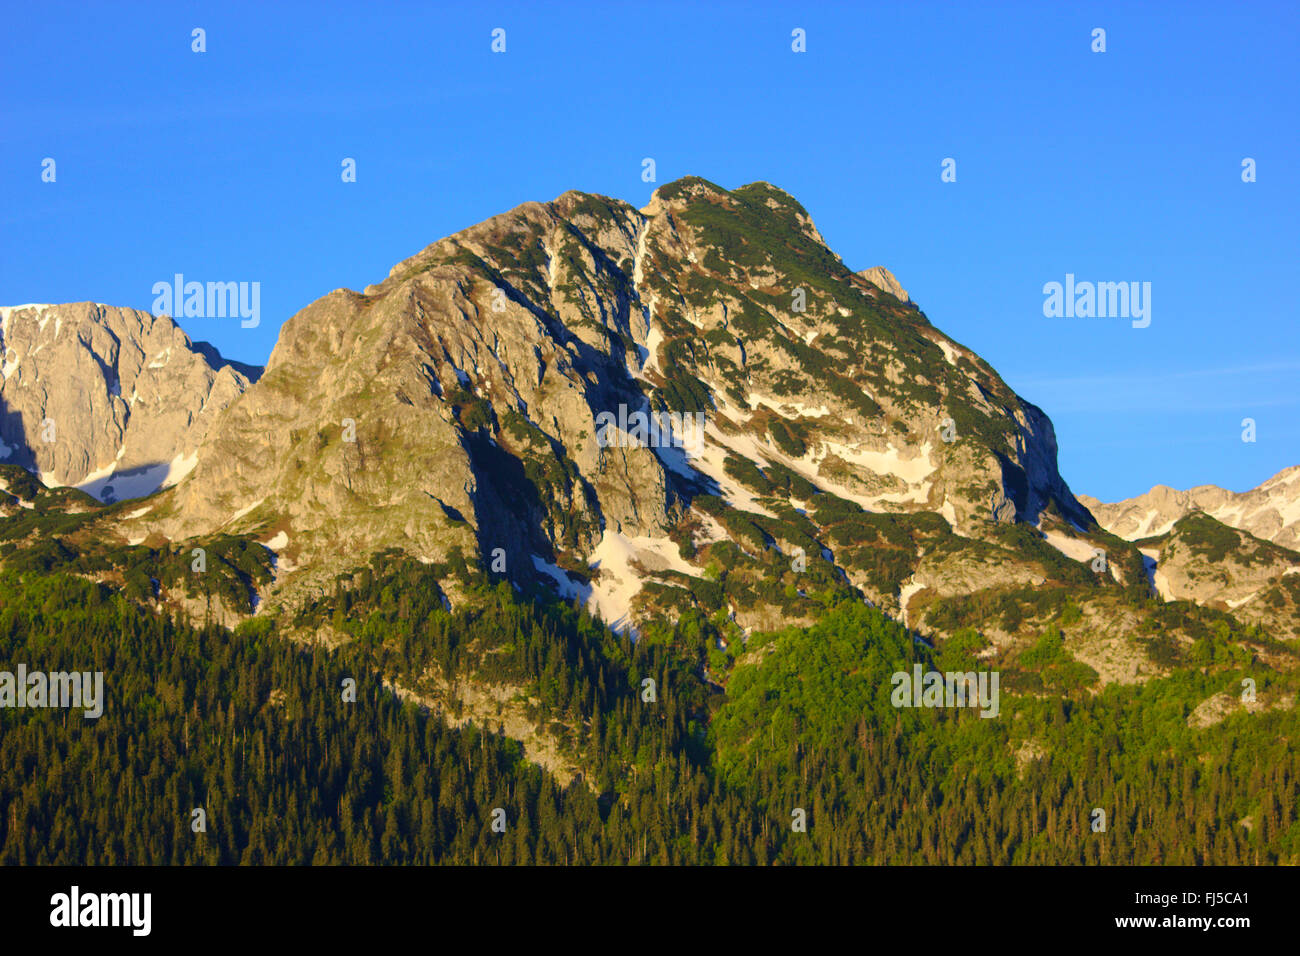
<point>1205,561</point>
<point>111,400</point>
<point>694,406</point>
<point>884,280</point>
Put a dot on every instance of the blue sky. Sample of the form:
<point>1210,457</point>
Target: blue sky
<point>1115,166</point>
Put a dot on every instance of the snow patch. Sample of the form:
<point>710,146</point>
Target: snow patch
<point>905,594</point>
<point>887,462</point>
<point>1070,547</point>
<point>276,545</point>
<point>708,461</point>
<point>1240,601</point>
<point>652,342</point>
<point>107,484</point>
<point>949,352</point>
<point>1151,564</point>
<point>8,310</point>
<point>639,256</point>
<point>621,564</point>
<point>1145,529</point>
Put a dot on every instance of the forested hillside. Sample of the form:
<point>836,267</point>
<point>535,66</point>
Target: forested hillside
<point>254,729</point>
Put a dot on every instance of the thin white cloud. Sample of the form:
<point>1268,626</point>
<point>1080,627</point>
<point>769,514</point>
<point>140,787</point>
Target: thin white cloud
<point>1234,387</point>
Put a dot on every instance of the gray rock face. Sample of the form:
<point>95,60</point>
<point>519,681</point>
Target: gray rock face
<point>1270,512</point>
<point>112,400</point>
<point>471,378</point>
<point>883,279</point>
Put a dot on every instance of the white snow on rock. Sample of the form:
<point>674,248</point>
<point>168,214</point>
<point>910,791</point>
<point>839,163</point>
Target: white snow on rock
<point>709,459</point>
<point>619,566</point>
<point>244,510</point>
<point>1146,529</point>
<point>905,594</point>
<point>8,310</point>
<point>276,545</point>
<point>948,351</point>
<point>887,462</point>
<point>652,342</point>
<point>1240,601</point>
<point>1151,560</point>
<point>105,482</point>
<point>1070,547</point>
<point>949,513</point>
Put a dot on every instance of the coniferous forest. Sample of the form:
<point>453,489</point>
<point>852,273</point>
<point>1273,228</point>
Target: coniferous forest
<point>253,727</point>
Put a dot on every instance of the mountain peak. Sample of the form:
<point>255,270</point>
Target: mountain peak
<point>884,280</point>
<point>1270,511</point>
<point>760,197</point>
<point>481,378</point>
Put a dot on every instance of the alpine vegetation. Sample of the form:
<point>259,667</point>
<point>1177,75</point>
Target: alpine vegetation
<point>603,534</point>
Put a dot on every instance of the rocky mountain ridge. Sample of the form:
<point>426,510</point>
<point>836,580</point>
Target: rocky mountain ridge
<point>1270,511</point>
<point>110,400</point>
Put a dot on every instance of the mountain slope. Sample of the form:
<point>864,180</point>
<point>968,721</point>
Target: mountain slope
<point>1203,560</point>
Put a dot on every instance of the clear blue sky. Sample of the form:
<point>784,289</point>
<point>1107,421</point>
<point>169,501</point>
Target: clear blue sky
<point>1115,166</point>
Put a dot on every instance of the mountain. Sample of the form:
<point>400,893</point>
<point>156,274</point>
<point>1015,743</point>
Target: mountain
<point>695,408</point>
<point>445,493</point>
<point>459,405</point>
<point>1203,560</point>
<point>111,400</point>
<point>1271,511</point>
